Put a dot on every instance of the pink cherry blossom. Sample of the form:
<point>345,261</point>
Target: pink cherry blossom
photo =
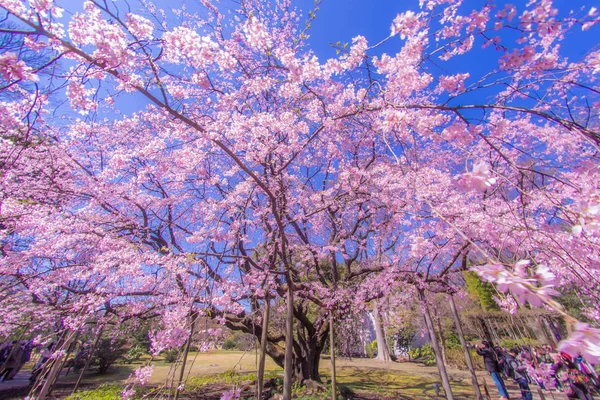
<point>222,161</point>
<point>584,340</point>
<point>143,374</point>
<point>479,179</point>
<point>231,394</point>
<point>11,68</point>
<point>529,287</point>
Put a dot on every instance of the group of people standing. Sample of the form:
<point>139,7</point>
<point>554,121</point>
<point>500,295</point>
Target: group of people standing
<point>13,355</point>
<point>542,366</point>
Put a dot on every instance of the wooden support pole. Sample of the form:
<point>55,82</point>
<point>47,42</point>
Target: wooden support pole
<point>436,348</point>
<point>463,344</point>
<point>55,369</point>
<point>89,358</point>
<point>288,373</point>
<point>185,355</point>
<point>332,353</point>
<point>263,348</point>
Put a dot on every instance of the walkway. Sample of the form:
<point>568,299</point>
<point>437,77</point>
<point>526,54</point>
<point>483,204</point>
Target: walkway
<point>17,385</point>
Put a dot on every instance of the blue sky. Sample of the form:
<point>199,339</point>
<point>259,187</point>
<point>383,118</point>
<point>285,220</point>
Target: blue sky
<point>341,20</point>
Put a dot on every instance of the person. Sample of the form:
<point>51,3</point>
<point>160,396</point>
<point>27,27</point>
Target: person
<point>4,352</point>
<point>589,371</point>
<point>45,355</point>
<point>27,346</point>
<point>12,361</point>
<point>490,362</point>
<point>571,380</point>
<point>519,373</point>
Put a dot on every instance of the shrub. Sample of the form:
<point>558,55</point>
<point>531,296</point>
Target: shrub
<point>456,359</point>
<point>107,353</point>
<point>229,344</point>
<point>371,349</point>
<point>453,341</point>
<point>422,354</point>
<point>135,353</point>
<point>170,355</point>
<point>239,341</point>
<point>510,343</point>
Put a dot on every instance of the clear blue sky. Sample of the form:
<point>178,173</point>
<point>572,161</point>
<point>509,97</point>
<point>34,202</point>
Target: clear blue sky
<point>340,20</point>
<point>343,19</point>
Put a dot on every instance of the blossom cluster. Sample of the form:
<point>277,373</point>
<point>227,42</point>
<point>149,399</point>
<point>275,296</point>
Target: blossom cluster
<point>583,340</point>
<point>231,394</point>
<point>507,304</point>
<point>528,285</point>
<point>11,68</point>
<point>479,179</point>
<point>589,214</point>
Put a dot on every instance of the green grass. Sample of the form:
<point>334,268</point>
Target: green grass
<point>229,378</point>
<point>217,370</point>
<point>396,384</point>
<point>107,391</point>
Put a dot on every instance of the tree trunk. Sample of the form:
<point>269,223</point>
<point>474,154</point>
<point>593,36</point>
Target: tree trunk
<point>463,344</point>
<point>185,355</point>
<point>332,354</point>
<point>436,347</point>
<point>307,355</point>
<point>383,352</point>
<point>494,325</point>
<point>538,330</point>
<point>288,371</point>
<point>263,348</point>
<point>511,327</point>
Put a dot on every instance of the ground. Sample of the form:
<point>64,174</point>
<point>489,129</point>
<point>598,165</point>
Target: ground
<point>210,375</point>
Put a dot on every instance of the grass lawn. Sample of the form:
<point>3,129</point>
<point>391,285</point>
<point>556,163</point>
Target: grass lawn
<point>210,374</point>
<point>369,379</point>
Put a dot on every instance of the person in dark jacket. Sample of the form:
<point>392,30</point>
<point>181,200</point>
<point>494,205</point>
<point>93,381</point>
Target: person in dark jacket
<point>490,362</point>
<point>519,374</point>
<point>27,347</point>
<point>13,361</point>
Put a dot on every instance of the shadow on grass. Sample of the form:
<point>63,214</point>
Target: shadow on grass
<point>380,383</point>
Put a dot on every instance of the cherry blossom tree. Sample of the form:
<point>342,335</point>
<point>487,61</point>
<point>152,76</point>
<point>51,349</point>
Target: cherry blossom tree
<point>249,169</point>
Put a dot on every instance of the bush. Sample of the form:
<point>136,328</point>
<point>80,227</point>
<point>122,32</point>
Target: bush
<point>456,359</point>
<point>135,353</point>
<point>229,344</point>
<point>170,355</point>
<point>371,349</point>
<point>422,354</point>
<point>510,343</point>
<point>107,353</point>
<point>239,341</point>
<point>453,341</point>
